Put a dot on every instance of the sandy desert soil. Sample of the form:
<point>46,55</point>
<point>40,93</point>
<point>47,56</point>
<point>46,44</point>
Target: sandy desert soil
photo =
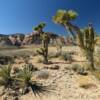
<point>64,83</point>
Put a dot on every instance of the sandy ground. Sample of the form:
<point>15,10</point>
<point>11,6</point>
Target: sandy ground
<point>64,84</point>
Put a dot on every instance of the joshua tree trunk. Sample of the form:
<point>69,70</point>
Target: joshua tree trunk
<point>45,53</point>
<point>90,58</point>
<point>89,44</point>
<point>70,30</point>
<point>79,33</point>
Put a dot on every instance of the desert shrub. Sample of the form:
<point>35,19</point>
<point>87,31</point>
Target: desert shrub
<point>79,69</point>
<point>32,67</point>
<point>24,78</point>
<point>6,79</point>
<point>66,56</point>
<point>76,67</point>
<point>4,60</point>
<point>25,82</point>
<point>54,54</point>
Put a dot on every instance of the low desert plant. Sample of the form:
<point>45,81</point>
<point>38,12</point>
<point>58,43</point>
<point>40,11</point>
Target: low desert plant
<point>25,82</point>
<point>67,57</point>
<point>54,55</point>
<point>76,67</point>
<point>24,78</point>
<point>6,79</point>
<point>79,69</point>
<point>4,60</point>
<point>31,67</point>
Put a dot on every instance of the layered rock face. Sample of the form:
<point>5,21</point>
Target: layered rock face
<point>25,39</point>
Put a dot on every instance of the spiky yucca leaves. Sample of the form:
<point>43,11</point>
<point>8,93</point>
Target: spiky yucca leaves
<point>6,79</point>
<point>24,78</point>
<point>65,18</point>
<point>40,27</point>
<point>25,81</point>
<point>44,49</point>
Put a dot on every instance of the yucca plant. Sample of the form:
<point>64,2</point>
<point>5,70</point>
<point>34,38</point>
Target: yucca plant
<point>25,82</point>
<point>24,78</point>
<point>6,79</point>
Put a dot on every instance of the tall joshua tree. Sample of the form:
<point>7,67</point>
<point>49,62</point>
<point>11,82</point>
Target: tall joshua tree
<point>45,41</point>
<point>65,18</point>
<point>62,17</point>
<point>86,38</point>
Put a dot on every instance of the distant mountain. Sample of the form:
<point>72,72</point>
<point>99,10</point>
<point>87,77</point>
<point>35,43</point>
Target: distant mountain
<point>18,39</point>
<point>3,35</point>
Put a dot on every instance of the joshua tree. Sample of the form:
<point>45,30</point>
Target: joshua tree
<point>65,18</point>
<point>40,27</point>
<point>44,49</point>
<point>45,41</point>
<point>62,17</point>
<point>89,44</point>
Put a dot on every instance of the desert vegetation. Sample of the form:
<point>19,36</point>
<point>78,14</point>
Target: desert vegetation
<point>43,65</point>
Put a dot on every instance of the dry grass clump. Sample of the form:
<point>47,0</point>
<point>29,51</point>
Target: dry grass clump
<point>54,55</point>
<point>66,56</point>
<point>79,69</point>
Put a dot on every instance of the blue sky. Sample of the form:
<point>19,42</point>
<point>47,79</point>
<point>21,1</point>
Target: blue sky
<point>19,16</point>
